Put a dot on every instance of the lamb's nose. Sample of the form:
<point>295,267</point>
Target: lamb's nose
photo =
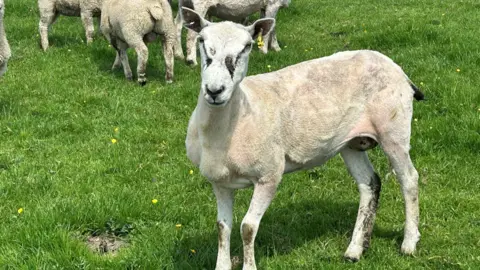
<point>215,92</point>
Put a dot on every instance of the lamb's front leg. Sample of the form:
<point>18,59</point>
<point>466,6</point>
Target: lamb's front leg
<point>369,186</point>
<point>263,194</point>
<point>224,221</point>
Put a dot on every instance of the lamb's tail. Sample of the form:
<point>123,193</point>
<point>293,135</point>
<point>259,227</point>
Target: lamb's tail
<point>417,94</point>
<point>156,12</point>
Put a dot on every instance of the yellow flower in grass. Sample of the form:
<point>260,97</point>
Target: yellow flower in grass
<point>193,251</point>
<point>178,226</point>
<point>190,172</point>
<point>115,130</point>
<point>114,141</point>
<point>458,70</point>
<point>269,68</point>
<point>20,211</point>
<point>154,201</point>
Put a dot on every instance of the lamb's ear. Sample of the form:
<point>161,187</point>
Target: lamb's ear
<point>193,20</point>
<point>263,26</point>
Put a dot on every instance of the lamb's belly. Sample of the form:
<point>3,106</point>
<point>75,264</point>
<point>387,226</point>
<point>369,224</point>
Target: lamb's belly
<point>291,166</point>
<point>235,183</point>
<point>235,13</point>
<point>68,9</point>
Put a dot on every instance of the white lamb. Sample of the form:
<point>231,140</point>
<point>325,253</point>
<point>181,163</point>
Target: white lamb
<point>251,130</point>
<point>232,10</point>
<point>51,9</point>
<point>132,23</point>
<point>4,47</point>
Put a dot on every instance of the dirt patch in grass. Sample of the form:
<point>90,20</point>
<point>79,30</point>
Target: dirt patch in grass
<point>104,244</point>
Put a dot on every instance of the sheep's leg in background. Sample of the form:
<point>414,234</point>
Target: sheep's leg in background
<point>47,17</point>
<point>263,194</point>
<point>126,66</point>
<point>168,43</point>
<point>170,47</point>
<point>118,61</point>
<point>87,20</point>
<point>369,187</point>
<point>192,39</point>
<point>142,58</point>
<point>270,40</point>
<point>225,198</point>
<point>178,44</point>
<point>121,48</point>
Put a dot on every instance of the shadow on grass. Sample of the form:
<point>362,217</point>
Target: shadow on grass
<point>281,231</point>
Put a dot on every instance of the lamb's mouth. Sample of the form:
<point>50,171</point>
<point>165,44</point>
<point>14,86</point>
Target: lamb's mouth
<point>216,103</point>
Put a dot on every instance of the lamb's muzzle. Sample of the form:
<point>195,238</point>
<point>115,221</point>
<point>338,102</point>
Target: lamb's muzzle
<point>293,119</point>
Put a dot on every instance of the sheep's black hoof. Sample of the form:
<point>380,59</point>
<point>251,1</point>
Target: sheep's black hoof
<point>350,259</point>
<point>142,83</point>
<point>191,63</point>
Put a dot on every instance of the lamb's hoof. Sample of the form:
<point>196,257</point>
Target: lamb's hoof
<point>353,253</point>
<point>169,81</point>
<point>351,259</point>
<point>264,50</point>
<point>408,248</point>
<point>191,63</point>
<point>142,82</point>
<point>277,49</point>
<point>129,78</point>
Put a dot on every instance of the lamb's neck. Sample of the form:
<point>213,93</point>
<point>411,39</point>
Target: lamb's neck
<point>216,124</point>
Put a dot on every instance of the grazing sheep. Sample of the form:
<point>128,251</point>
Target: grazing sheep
<point>251,130</point>
<point>229,10</point>
<point>132,23</point>
<point>50,9</point>
<point>4,47</point>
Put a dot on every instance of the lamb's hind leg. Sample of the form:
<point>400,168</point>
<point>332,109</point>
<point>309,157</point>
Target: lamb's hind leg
<point>87,20</point>
<point>142,55</point>
<point>397,152</point>
<point>369,186</point>
<point>47,17</point>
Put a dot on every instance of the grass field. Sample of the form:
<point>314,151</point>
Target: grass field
<point>60,110</point>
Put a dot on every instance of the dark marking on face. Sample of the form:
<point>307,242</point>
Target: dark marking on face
<point>247,234</point>
<point>208,60</point>
<point>375,186</point>
<point>230,65</point>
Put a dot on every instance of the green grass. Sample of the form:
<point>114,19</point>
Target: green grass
<point>59,109</point>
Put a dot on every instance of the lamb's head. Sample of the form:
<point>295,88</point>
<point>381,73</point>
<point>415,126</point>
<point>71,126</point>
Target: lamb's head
<point>224,49</point>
